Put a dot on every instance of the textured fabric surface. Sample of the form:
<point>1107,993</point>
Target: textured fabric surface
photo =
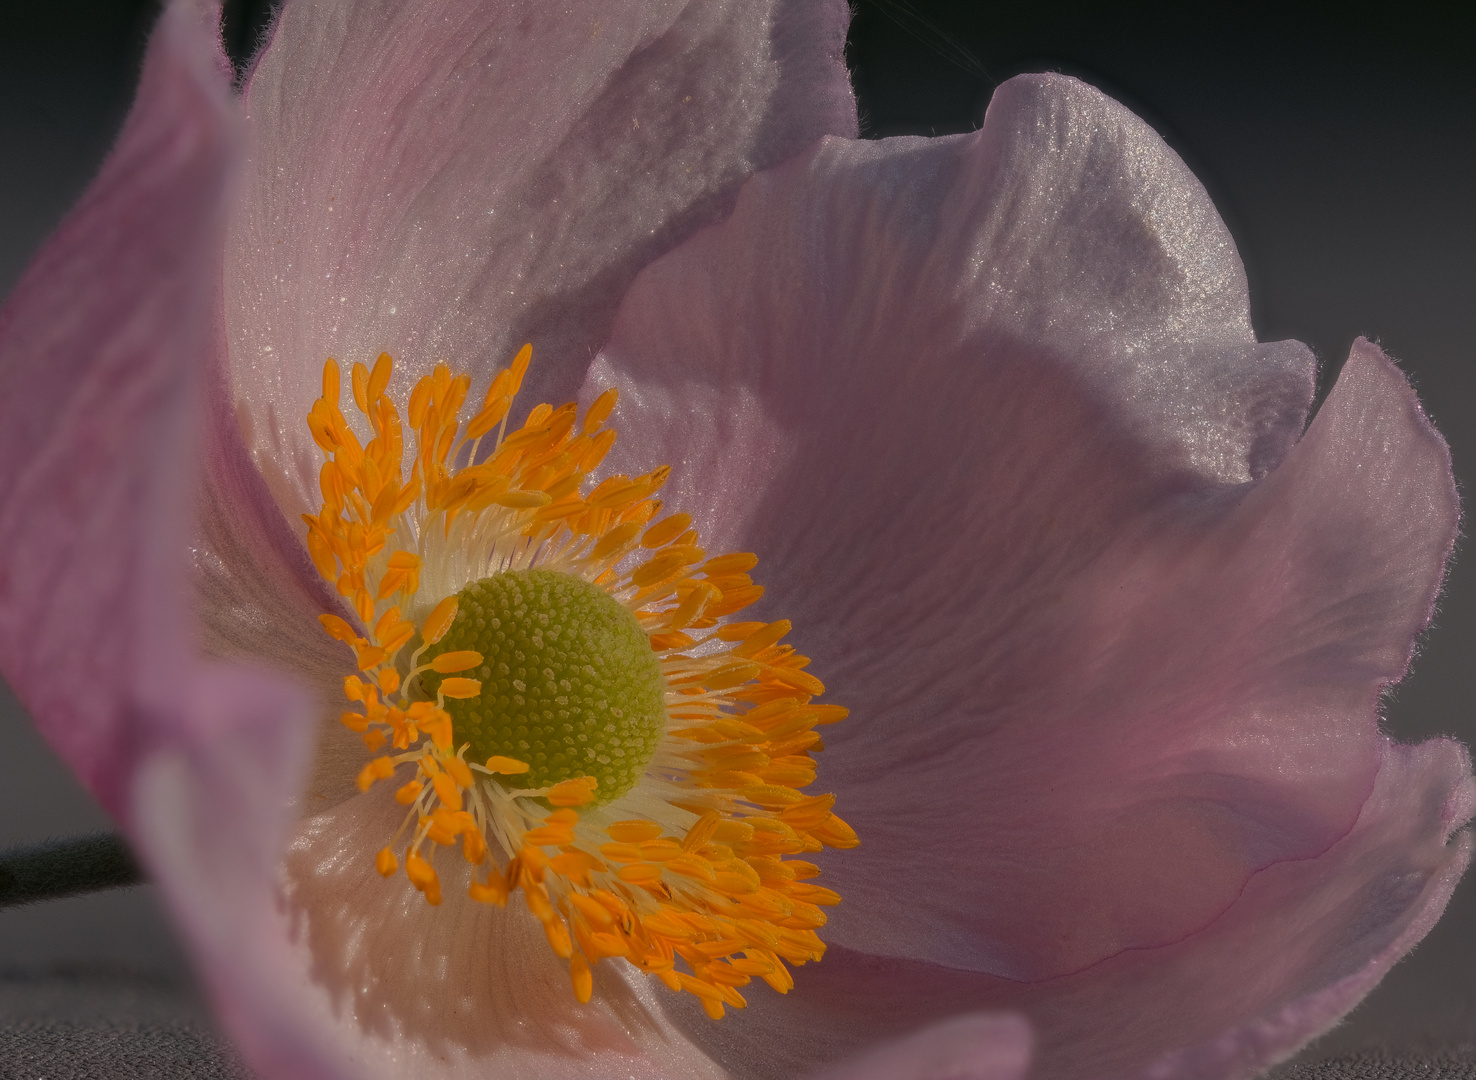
<point>1384,1065</point>
<point>105,1025</point>
<point>121,1026</point>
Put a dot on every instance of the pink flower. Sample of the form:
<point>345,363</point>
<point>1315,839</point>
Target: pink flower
<point>1113,627</point>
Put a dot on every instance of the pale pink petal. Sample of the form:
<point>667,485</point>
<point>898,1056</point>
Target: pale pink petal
<point>258,595</point>
<point>211,809</point>
<point>973,1047</point>
<point>323,970</point>
<point>988,409</point>
<point>100,348</point>
<point>448,179</point>
<point>1302,943</point>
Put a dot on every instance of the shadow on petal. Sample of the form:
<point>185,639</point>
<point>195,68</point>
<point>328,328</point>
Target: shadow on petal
<point>461,978</point>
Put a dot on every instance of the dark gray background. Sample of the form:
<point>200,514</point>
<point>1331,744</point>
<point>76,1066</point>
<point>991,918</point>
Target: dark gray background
<point>1337,144</point>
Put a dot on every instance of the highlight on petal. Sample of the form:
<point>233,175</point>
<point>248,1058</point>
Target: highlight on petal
<point>1120,645</point>
<point>976,1047</point>
<point>445,180</point>
<point>1063,359</point>
<point>99,345</point>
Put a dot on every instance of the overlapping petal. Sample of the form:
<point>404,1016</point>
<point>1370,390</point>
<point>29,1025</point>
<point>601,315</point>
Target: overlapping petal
<point>467,176</point>
<point>1300,946</point>
<point>99,352</point>
<point>992,410</point>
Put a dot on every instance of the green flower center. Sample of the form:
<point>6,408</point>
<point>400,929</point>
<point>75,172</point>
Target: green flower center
<point>569,682</point>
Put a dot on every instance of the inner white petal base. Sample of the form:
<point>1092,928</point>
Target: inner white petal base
<point>462,989</point>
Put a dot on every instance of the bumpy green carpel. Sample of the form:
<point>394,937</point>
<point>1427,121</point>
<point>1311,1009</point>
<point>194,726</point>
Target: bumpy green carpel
<point>569,682</point>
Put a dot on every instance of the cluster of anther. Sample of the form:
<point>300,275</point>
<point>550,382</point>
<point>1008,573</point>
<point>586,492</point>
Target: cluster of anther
<point>574,665</point>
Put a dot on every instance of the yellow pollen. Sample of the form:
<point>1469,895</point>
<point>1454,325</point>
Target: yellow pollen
<point>681,861</point>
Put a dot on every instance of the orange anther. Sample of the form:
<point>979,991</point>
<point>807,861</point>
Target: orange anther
<point>359,379</point>
<point>379,378</point>
<point>730,675</point>
<point>404,560</point>
<point>458,771</point>
<point>489,417</point>
<point>519,368</point>
<point>533,863</point>
<point>666,530</point>
<point>462,660</point>
<point>549,835</point>
<point>614,542</point>
<point>761,639</point>
<point>493,892</point>
<point>473,847</point>
<point>330,381</point>
<point>322,555</point>
<point>339,629</point>
<point>592,910</point>
<point>835,833</point>
<point>378,769</point>
<point>736,563</point>
<point>701,831</point>
<point>386,863</point>
<point>455,687</point>
<point>386,623</point>
<point>523,500</point>
<point>576,792</point>
<point>599,446</point>
<point>446,790</point>
<point>734,598</point>
<point>583,980</point>
<point>439,620</point>
<point>800,680</point>
<point>600,411</point>
<point>408,793</point>
<point>358,723</point>
<point>506,765</point>
<point>692,607</point>
<point>633,832</point>
<point>420,399</point>
<point>576,866</point>
<point>659,569</point>
<point>423,876</point>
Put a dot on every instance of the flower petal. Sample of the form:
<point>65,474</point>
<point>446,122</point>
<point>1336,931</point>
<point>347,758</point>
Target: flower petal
<point>364,979</point>
<point>987,410</point>
<point>1300,946</point>
<point>448,179</point>
<point>258,595</point>
<point>324,970</point>
<point>974,1047</point>
<point>100,344</point>
<point>211,810</point>
<point>851,287</point>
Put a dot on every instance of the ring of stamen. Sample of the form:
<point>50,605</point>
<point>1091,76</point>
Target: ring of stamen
<point>685,858</point>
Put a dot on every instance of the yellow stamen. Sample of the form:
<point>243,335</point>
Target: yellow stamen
<point>506,765</point>
<point>690,875</point>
